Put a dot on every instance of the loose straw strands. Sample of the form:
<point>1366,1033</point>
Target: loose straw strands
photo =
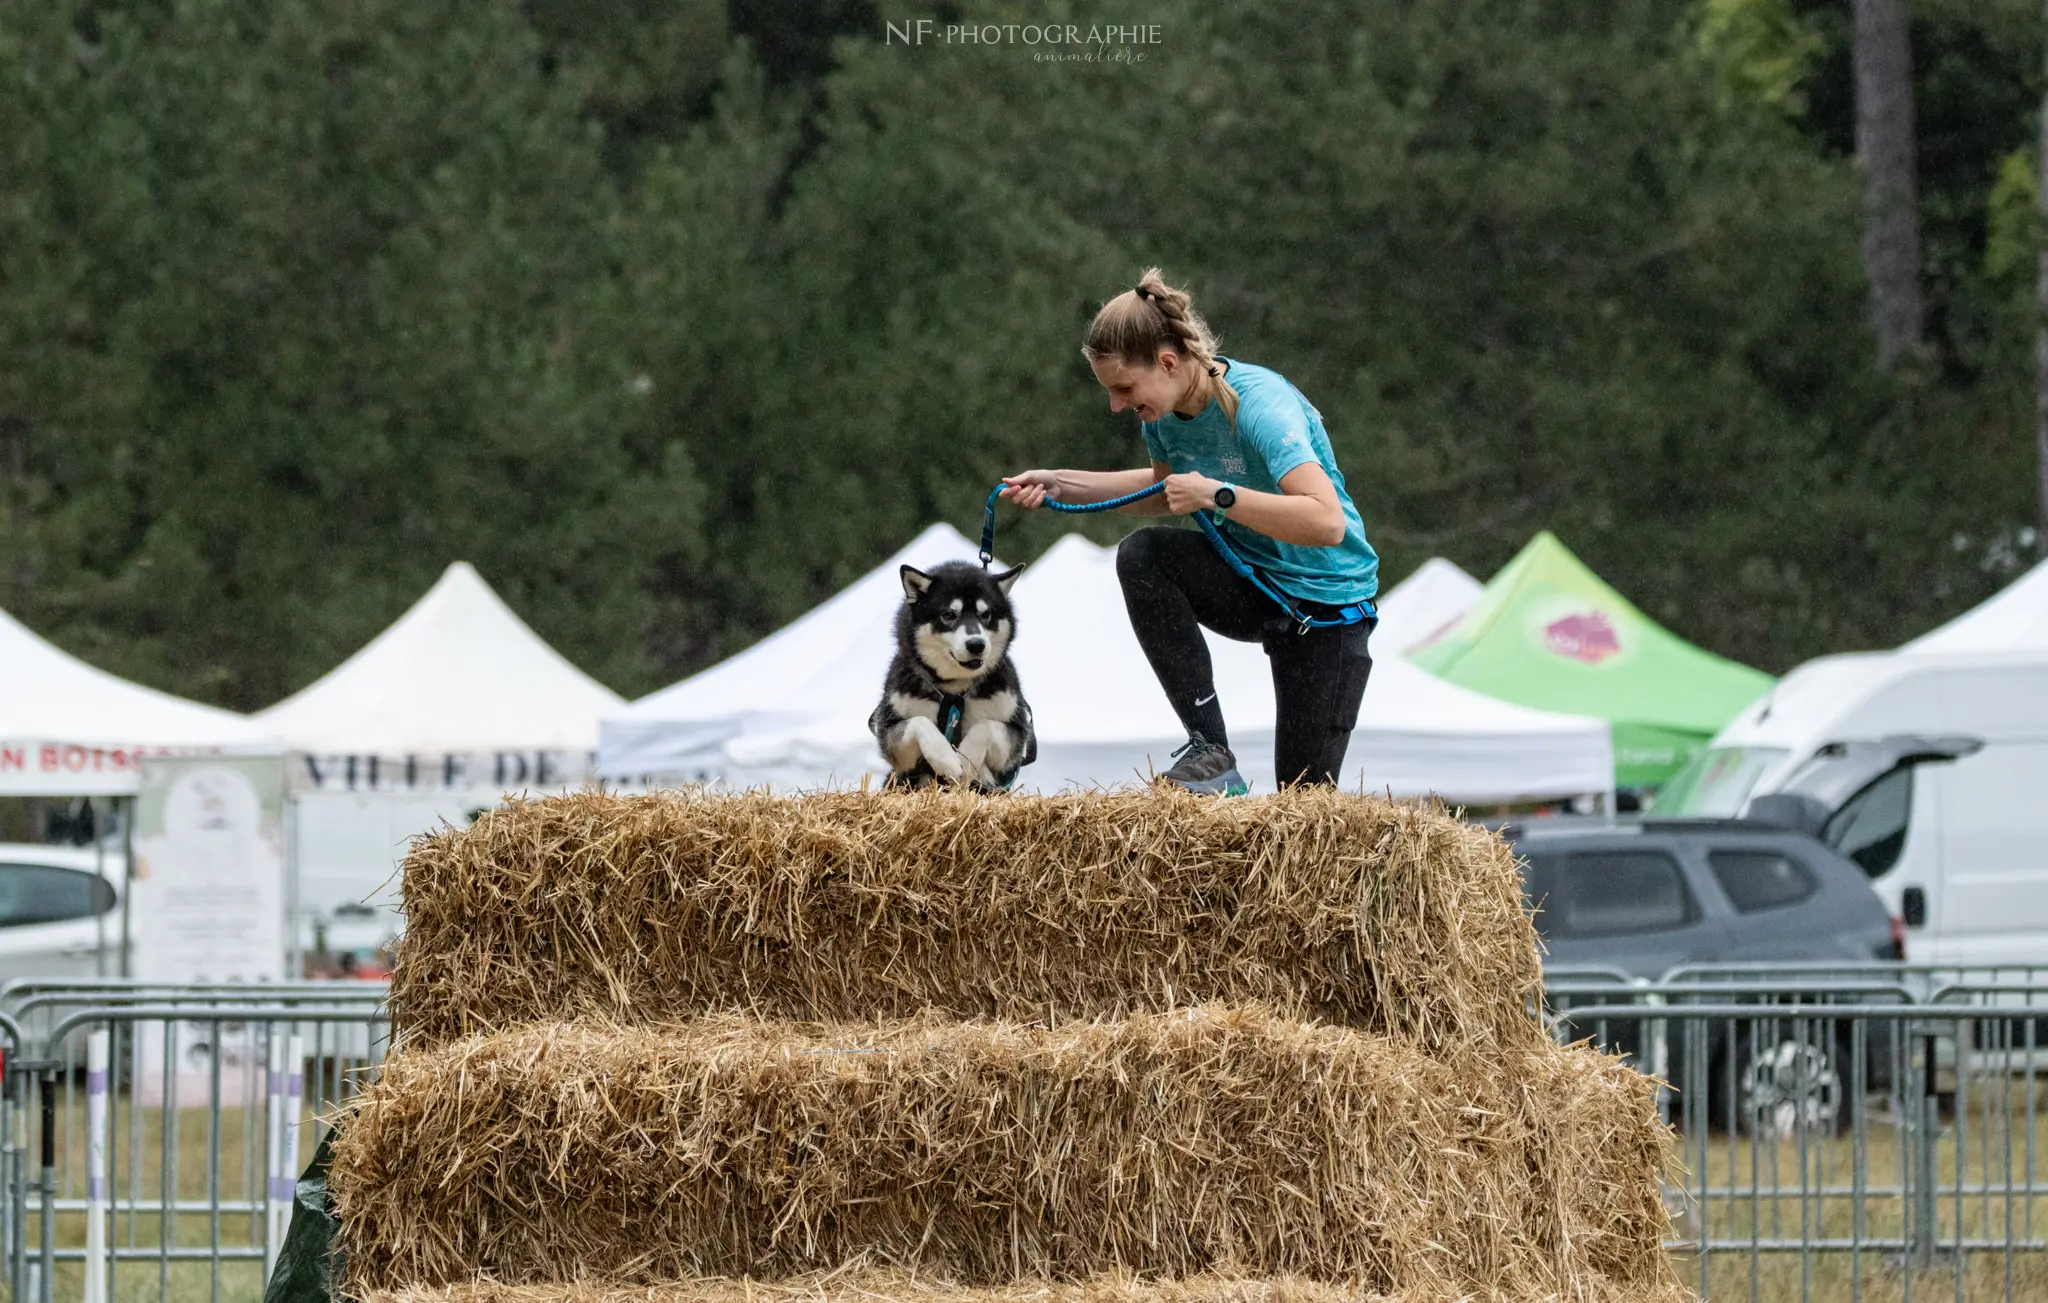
<point>1213,1139</point>
<point>1383,916</point>
<point>878,1286</point>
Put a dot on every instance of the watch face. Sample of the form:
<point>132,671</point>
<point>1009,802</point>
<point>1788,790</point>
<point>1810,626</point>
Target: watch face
<point>1226,497</point>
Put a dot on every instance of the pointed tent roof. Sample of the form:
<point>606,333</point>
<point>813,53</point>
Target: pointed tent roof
<point>101,721</point>
<point>838,651</point>
<point>2016,619</point>
<point>458,672</point>
<point>1102,719</point>
<point>1549,633</point>
<point>1423,606</point>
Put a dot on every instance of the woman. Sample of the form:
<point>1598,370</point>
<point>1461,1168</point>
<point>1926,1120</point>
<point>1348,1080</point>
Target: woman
<point>1239,441</point>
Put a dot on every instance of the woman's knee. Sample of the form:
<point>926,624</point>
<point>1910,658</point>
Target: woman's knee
<point>1140,557</point>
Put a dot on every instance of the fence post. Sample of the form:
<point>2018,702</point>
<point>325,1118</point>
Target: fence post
<point>1926,1117</point>
<point>96,1167</point>
<point>17,1193</point>
<point>1657,1051</point>
<point>277,1186</point>
<point>294,1100</point>
<point>48,1271</point>
<point>8,1154</point>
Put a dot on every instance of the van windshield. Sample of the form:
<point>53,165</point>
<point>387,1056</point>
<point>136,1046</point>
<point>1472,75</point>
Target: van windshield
<point>1716,783</point>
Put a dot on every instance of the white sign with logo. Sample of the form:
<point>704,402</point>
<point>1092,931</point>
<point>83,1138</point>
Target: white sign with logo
<point>208,905</point>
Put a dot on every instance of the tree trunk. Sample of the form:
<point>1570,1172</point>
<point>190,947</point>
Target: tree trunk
<point>13,509</point>
<point>2041,342</point>
<point>1885,149</point>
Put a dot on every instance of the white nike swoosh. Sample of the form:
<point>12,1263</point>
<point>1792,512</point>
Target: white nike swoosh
<point>1206,700</point>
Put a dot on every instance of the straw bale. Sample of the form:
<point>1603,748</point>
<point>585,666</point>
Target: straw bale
<point>904,1287</point>
<point>1384,916</point>
<point>1211,1139</point>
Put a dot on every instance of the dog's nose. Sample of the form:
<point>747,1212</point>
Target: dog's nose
<point>975,646</point>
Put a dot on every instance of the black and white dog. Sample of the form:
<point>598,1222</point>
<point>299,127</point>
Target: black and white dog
<point>952,707</point>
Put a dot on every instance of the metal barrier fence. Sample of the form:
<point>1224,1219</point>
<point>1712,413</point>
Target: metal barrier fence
<point>1863,1131</point>
<point>151,1135</point>
<point>1843,1131</point>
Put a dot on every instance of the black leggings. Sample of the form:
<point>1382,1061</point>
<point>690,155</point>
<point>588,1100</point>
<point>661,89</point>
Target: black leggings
<point>1175,583</point>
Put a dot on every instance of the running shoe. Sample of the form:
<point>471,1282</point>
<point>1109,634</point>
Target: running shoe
<point>1207,768</point>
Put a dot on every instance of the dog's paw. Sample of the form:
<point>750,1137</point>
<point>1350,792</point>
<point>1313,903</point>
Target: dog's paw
<point>945,762</point>
<point>983,775</point>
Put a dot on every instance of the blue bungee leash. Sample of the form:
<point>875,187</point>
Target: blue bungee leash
<point>1303,622</point>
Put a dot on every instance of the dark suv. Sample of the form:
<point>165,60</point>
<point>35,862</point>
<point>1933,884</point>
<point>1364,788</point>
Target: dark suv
<point>1645,897</point>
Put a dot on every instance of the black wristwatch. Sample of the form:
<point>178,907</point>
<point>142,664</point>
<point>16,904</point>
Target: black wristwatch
<point>1226,498</point>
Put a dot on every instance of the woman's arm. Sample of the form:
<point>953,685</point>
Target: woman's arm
<point>1031,489</point>
<point>1304,512</point>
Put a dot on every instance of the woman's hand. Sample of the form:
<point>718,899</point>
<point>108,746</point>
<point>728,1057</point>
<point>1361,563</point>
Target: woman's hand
<point>1189,492</point>
<point>1031,489</point>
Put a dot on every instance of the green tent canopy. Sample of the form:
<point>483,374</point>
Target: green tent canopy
<point>1548,633</point>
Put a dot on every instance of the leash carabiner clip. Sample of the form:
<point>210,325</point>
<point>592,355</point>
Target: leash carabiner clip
<point>988,527</point>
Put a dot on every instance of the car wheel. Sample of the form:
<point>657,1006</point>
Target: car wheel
<point>1787,1086</point>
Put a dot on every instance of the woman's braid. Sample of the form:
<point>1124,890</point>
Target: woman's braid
<point>1176,309</point>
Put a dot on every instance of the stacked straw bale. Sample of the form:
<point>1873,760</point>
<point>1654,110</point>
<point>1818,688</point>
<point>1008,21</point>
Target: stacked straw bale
<point>1168,1144</point>
<point>838,907</point>
<point>1101,1048</point>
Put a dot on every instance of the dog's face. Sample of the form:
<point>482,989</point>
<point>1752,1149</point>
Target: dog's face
<point>958,617</point>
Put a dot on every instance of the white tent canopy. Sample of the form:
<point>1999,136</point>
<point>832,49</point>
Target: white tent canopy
<point>1102,719</point>
<point>837,653</point>
<point>457,675</point>
<point>1421,606</point>
<point>68,729</point>
<point>2016,619</point>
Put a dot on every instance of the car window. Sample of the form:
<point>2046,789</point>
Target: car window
<point>42,893</point>
<point>1870,828</point>
<point>1716,783</point>
<point>1606,893</point>
<point>1759,880</point>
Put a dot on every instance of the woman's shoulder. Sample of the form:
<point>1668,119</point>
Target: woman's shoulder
<point>1238,371</point>
<point>1265,392</point>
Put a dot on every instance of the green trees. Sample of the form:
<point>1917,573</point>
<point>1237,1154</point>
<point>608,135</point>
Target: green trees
<point>303,301</point>
<point>300,301</point>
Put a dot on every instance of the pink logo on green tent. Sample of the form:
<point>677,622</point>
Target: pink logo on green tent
<point>1587,637</point>
<point>1548,633</point>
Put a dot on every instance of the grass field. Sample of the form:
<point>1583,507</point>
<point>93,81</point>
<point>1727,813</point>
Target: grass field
<point>1741,1179</point>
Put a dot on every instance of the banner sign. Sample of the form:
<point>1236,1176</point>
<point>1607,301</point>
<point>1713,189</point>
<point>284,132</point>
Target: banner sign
<point>431,773</point>
<point>34,767</point>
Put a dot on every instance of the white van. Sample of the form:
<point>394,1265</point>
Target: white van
<point>60,912</point>
<point>1930,771</point>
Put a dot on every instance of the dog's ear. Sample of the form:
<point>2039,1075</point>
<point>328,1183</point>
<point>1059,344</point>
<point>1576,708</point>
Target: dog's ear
<point>916,583</point>
<point>1008,577</point>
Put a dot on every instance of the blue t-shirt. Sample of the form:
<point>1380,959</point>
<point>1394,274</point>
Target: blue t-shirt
<point>1277,430</point>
